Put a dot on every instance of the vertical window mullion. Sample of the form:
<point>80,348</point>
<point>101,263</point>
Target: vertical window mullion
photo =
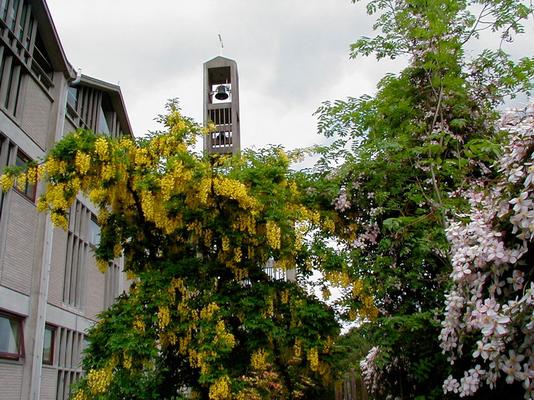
<point>74,270</point>
<point>68,267</point>
<point>6,79</point>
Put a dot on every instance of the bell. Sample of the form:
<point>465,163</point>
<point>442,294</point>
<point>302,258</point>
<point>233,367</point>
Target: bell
<point>221,93</point>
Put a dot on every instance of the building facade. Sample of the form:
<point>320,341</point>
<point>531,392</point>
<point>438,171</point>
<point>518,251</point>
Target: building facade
<point>50,288</point>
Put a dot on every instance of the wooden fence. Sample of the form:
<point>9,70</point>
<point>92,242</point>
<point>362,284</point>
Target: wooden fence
<point>351,387</point>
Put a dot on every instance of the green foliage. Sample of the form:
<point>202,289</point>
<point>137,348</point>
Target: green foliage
<point>203,318</point>
<point>398,158</point>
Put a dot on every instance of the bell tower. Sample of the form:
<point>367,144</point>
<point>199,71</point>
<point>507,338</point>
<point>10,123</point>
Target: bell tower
<point>221,106</point>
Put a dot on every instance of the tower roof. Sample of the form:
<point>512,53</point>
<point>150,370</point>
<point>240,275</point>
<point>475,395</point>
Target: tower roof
<point>220,61</point>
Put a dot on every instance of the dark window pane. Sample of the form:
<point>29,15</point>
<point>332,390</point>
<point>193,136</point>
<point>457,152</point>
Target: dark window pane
<point>29,188</point>
<point>48,345</point>
<point>9,336</point>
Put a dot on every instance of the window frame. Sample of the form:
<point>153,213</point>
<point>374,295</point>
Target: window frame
<point>29,195</point>
<point>53,329</point>
<point>20,321</point>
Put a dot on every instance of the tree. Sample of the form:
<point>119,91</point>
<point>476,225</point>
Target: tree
<point>399,159</point>
<point>202,319</point>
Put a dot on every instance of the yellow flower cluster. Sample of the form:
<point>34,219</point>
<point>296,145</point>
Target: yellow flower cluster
<point>200,360</point>
<point>164,317</point>
<point>297,348</point>
<point>6,182</point>
<point>108,172</point>
<point>284,296</point>
<point>127,361</point>
<point>237,254</point>
<point>21,182</point>
<point>337,278</point>
<point>313,359</point>
<point>208,237</point>
<point>245,223</point>
<point>80,395</point>
<point>102,265</point>
<point>59,220</point>
<point>101,148</point>
<point>329,225</point>
<point>55,197</point>
<point>168,339</point>
<point>82,162</point>
<point>98,380</point>
<point>184,342</point>
<point>204,188</point>
<point>357,287</point>
<point>141,157</point>
<point>53,166</point>
<point>225,243</point>
<point>234,190</point>
<point>32,175</point>
<point>223,336</point>
<point>328,344</point>
<point>98,195</point>
<point>176,284</point>
<point>139,324</point>
<point>269,308</point>
<point>258,360</point>
<point>273,235</point>
<point>220,390</point>
<point>207,312</point>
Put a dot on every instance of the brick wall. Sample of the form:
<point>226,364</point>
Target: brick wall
<point>10,381</point>
<point>57,268</point>
<point>36,113</point>
<point>20,245</point>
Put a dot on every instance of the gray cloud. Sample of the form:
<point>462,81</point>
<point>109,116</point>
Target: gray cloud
<point>291,55</point>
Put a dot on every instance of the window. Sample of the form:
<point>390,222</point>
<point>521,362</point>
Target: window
<point>29,188</point>
<point>72,97</point>
<point>11,339</point>
<point>112,284</point>
<point>76,257</point>
<point>11,74</point>
<point>48,345</point>
<point>102,122</point>
<point>94,231</point>
<point>69,357</point>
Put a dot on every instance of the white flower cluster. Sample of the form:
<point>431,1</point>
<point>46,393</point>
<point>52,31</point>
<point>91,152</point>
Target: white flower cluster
<point>370,375</point>
<point>341,203</point>
<point>491,299</point>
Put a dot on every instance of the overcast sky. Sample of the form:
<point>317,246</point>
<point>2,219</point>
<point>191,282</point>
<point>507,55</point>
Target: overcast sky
<point>291,56</point>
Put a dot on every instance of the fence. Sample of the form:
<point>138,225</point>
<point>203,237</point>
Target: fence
<point>351,387</point>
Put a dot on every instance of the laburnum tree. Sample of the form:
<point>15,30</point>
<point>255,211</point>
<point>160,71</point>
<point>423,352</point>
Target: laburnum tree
<point>203,319</point>
<point>395,173</point>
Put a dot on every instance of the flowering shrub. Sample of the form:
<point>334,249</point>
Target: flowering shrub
<point>203,319</point>
<point>489,315</point>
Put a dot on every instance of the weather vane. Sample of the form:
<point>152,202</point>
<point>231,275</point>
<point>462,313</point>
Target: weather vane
<point>222,45</point>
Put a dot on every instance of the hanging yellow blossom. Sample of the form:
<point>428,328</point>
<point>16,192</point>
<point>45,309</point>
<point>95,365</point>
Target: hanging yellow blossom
<point>220,390</point>
<point>139,324</point>
<point>207,312</point>
<point>101,148</point>
<point>164,317</point>
<point>127,361</point>
<point>258,360</point>
<point>273,235</point>
<point>82,162</point>
<point>98,380</point>
<point>59,220</point>
<point>234,190</point>
<point>225,243</point>
<point>297,348</point>
<point>313,359</point>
